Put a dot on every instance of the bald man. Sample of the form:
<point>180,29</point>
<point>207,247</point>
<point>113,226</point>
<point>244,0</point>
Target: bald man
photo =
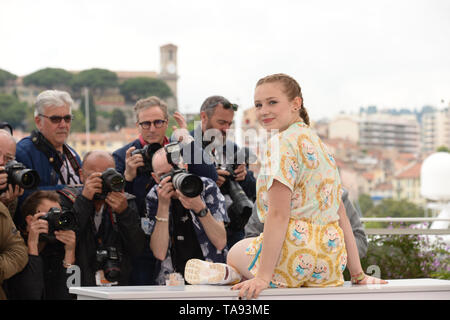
<point>8,193</point>
<point>182,228</point>
<point>107,223</point>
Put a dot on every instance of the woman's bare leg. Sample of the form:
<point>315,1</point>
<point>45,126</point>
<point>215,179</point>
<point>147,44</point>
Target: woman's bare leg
<point>239,260</point>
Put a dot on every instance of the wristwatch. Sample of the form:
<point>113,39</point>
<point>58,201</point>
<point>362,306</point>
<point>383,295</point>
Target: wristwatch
<point>202,212</point>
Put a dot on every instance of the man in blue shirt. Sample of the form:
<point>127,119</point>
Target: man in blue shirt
<point>152,120</point>
<point>184,227</point>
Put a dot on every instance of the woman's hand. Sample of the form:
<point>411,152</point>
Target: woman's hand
<point>251,288</point>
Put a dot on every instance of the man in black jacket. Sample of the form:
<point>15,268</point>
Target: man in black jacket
<point>217,114</point>
<point>109,231</point>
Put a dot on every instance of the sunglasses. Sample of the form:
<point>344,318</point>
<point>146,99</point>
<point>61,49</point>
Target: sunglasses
<point>226,105</point>
<point>57,119</point>
<point>147,124</point>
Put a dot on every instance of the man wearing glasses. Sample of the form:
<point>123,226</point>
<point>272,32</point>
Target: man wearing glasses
<point>45,150</point>
<point>152,121</point>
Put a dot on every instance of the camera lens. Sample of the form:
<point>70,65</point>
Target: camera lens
<point>117,183</point>
<point>190,185</point>
<point>26,178</point>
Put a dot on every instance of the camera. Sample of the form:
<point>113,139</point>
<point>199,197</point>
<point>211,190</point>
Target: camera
<point>20,175</point>
<point>189,184</point>
<point>108,259</point>
<point>111,181</point>
<point>58,220</point>
<point>147,153</point>
<point>241,209</point>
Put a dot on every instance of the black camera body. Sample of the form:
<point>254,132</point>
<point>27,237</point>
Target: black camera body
<point>20,175</point>
<point>108,259</point>
<point>58,220</point>
<point>241,209</point>
<point>147,153</point>
<point>189,184</point>
<point>111,181</point>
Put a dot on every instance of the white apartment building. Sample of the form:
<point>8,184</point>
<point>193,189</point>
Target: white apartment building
<point>400,132</point>
<point>435,130</point>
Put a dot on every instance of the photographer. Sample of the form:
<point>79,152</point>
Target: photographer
<point>109,231</point>
<point>50,252</point>
<point>46,150</point>
<point>186,219</point>
<point>134,162</point>
<point>9,193</point>
<point>217,115</point>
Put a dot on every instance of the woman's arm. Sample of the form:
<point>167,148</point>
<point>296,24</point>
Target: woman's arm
<point>353,261</point>
<point>275,228</point>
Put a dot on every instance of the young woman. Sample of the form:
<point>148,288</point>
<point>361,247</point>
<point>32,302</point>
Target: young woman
<point>307,238</point>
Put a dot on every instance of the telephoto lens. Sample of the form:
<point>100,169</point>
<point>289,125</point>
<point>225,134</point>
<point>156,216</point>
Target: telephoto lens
<point>20,175</point>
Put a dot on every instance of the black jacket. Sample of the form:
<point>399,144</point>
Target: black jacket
<point>124,233</point>
<point>43,278</point>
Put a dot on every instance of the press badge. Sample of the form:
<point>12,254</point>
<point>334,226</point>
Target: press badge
<point>145,225</point>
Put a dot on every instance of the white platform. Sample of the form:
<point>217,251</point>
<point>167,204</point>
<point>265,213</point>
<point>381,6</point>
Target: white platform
<point>423,289</point>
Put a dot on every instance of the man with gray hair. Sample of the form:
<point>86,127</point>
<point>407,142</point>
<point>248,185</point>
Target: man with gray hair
<point>152,120</point>
<point>45,150</point>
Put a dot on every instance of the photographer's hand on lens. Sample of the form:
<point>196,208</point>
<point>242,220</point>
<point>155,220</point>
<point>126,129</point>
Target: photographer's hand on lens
<point>117,201</point>
<point>35,228</point>
<point>10,194</point>
<point>196,204</point>
<point>92,185</point>
<point>132,162</point>
<point>222,177</point>
<point>165,191</point>
<point>241,172</point>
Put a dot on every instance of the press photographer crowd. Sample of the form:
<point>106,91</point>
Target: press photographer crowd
<point>150,210</point>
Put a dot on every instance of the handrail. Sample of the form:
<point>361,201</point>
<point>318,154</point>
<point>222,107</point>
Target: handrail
<point>406,219</point>
<point>379,231</point>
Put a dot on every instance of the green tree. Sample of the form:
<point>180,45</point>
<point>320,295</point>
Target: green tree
<point>118,120</point>
<point>49,78</point>
<point>6,76</point>
<point>138,88</point>
<point>13,111</point>
<point>94,79</point>
<point>79,121</point>
<point>443,149</point>
<point>92,111</point>
<point>365,203</point>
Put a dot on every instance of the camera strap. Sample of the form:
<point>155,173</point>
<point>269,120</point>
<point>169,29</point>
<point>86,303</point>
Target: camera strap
<point>54,157</point>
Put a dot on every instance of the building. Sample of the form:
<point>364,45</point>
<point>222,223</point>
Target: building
<point>399,132</point>
<point>111,98</point>
<point>436,130</point>
<point>406,184</point>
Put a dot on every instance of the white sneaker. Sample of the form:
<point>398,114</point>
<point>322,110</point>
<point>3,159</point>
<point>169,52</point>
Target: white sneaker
<point>204,272</point>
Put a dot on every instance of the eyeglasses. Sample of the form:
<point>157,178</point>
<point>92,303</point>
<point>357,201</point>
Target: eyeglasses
<point>226,105</point>
<point>57,119</point>
<point>147,124</point>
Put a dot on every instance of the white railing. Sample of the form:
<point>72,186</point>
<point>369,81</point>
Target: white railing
<point>405,230</point>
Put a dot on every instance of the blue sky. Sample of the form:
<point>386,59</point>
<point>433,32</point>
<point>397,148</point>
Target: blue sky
<point>345,54</point>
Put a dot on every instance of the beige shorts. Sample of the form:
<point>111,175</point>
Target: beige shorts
<point>312,256</point>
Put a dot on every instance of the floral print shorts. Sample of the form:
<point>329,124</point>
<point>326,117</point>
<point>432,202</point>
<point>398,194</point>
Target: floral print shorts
<point>312,255</point>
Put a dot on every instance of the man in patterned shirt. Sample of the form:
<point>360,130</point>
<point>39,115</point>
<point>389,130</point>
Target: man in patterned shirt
<point>183,228</point>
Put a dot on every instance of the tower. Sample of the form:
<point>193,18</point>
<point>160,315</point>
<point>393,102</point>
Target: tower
<point>169,73</point>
